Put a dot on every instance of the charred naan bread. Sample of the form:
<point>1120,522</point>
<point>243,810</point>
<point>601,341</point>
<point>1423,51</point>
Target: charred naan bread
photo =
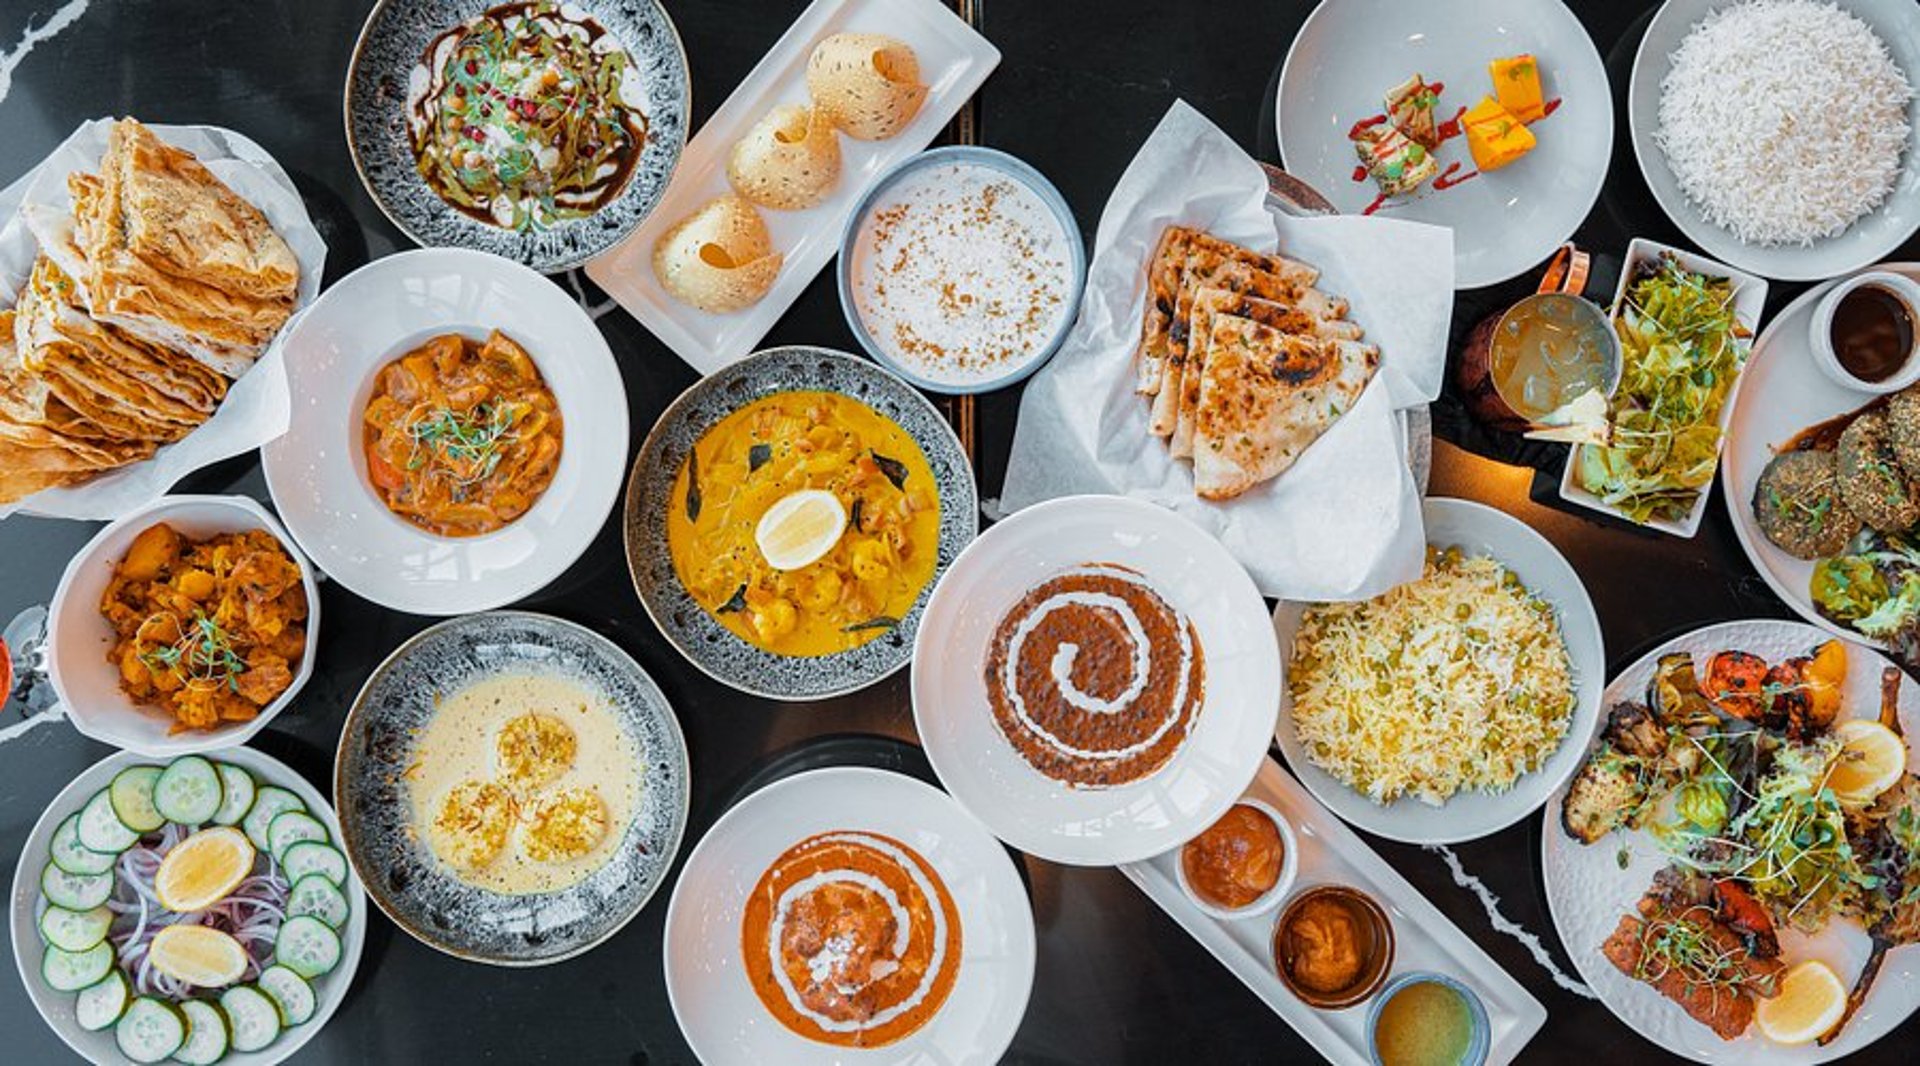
<point>1169,259</point>
<point>1322,321</point>
<point>1265,395</point>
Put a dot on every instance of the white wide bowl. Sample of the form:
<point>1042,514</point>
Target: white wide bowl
<point>717,1008</point>
<point>1869,239</point>
<point>1268,900</point>
<point>1028,809</point>
<point>79,636</point>
<point>57,1007</point>
<point>1350,52</point>
<point>317,472</point>
<point>1475,529</point>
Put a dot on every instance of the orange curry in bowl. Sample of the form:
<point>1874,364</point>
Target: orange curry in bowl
<point>462,437</point>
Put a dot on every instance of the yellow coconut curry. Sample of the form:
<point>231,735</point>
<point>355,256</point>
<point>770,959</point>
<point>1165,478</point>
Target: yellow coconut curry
<point>806,522</point>
<point>462,437</point>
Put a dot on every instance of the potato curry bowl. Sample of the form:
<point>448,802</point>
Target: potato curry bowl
<point>788,516</point>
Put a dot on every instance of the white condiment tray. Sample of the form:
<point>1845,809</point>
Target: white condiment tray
<point>954,61</point>
<point>1330,853</point>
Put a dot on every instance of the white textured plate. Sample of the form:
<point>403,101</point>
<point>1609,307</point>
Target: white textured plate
<point>1588,891</point>
<point>1781,393</point>
<point>1897,22</point>
<point>317,471</point>
<point>57,1007</point>
<point>1031,811</point>
<point>1350,52</point>
<point>954,60</point>
<point>718,1010</point>
<point>1477,530</point>
<point>1330,853</point>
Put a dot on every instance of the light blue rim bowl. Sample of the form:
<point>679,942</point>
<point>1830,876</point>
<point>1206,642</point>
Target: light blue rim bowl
<point>1014,168</point>
<point>1478,1044</point>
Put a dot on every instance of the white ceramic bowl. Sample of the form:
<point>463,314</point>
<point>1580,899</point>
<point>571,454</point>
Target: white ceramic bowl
<point>57,1007</point>
<point>715,1003</point>
<point>79,636</point>
<point>1268,900</point>
<point>1350,52</point>
<point>1897,22</point>
<point>317,471</point>
<point>1820,332</point>
<point>975,761</point>
<point>1475,529</point>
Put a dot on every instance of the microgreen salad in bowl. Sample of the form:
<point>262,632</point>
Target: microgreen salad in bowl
<point>193,910</point>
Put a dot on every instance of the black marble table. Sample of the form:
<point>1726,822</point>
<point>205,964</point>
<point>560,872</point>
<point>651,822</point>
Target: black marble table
<point>1080,85</point>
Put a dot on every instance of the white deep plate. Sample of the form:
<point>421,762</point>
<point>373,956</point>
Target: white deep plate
<point>1588,891</point>
<point>1026,808</point>
<point>57,1007</point>
<point>1897,22</point>
<point>715,1003</point>
<point>317,472</point>
<point>1350,52</point>
<point>1782,392</point>
<point>954,61</point>
<point>1476,529</point>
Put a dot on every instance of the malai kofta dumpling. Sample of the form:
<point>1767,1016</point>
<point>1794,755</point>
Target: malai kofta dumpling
<point>472,825</point>
<point>807,523</point>
<point>534,750</point>
<point>566,825</point>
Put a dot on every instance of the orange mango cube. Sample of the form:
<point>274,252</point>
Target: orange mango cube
<point>1516,82</point>
<point>1494,135</point>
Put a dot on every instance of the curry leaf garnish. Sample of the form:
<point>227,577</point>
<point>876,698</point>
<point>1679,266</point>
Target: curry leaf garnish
<point>693,484</point>
<point>859,510</point>
<point>758,456</point>
<point>895,470</point>
<point>735,602</point>
<point>879,621</point>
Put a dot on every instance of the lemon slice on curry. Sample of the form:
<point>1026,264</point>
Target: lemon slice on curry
<point>799,529</point>
<point>201,870</point>
<point>200,955</point>
<point>1872,759</point>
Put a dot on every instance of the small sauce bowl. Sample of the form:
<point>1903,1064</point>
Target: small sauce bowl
<point>1266,901</point>
<point>1375,945</point>
<point>1820,332</point>
<point>1479,1032</point>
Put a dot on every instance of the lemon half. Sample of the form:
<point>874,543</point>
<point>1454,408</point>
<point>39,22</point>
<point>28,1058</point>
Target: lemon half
<point>1810,1002</point>
<point>199,955</point>
<point>1872,759</point>
<point>202,869</point>
<point>800,528</point>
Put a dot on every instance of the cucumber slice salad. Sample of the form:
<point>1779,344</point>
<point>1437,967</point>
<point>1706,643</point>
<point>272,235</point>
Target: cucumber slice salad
<point>96,934</point>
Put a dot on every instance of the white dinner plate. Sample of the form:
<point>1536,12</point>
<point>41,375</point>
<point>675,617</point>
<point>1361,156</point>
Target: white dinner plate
<point>720,1013</point>
<point>1475,529</point>
<point>1350,52</point>
<point>317,472</point>
<point>1897,22</point>
<point>1781,393</point>
<point>1024,807</point>
<point>1589,888</point>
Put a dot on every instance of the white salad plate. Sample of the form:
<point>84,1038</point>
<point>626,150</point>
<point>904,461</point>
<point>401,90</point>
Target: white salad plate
<point>1589,888</point>
<point>1896,22</point>
<point>954,61</point>
<point>317,472</point>
<point>57,1008</point>
<point>719,1012</point>
<point>1331,854</point>
<point>1782,392</point>
<point>1095,826</point>
<point>1350,52</point>
<point>1475,529</point>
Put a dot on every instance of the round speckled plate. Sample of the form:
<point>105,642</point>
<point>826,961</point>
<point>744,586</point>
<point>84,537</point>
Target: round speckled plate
<point>705,642</point>
<point>392,43</point>
<point>405,879</point>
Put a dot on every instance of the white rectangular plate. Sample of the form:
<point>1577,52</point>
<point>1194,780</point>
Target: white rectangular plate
<point>1330,853</point>
<point>954,61</point>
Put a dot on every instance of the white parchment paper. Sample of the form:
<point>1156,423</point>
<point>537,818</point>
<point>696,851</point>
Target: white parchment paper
<point>257,406</point>
<point>1344,521</point>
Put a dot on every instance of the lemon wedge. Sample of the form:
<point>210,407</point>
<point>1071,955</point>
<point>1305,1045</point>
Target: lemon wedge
<point>1872,758</point>
<point>202,869</point>
<point>199,955</point>
<point>800,528</point>
<point>1810,1002</point>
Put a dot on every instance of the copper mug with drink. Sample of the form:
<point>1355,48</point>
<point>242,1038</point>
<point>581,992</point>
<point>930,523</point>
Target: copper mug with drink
<point>1524,368</point>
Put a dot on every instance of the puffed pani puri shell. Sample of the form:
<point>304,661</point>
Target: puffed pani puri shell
<point>718,259</point>
<point>868,83</point>
<point>789,160</point>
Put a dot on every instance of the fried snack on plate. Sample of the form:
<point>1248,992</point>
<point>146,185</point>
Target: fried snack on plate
<point>868,83</point>
<point>788,161</point>
<point>718,259</point>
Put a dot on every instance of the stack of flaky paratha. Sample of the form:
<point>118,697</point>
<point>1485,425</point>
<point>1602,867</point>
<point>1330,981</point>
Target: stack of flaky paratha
<point>158,287</point>
<point>1244,361</point>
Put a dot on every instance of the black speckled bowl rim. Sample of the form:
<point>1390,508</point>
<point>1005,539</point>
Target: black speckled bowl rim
<point>705,642</point>
<point>401,876</point>
<point>393,39</point>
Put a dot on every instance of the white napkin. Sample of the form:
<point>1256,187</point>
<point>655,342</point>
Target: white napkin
<point>1344,521</point>
<point>257,407</point>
